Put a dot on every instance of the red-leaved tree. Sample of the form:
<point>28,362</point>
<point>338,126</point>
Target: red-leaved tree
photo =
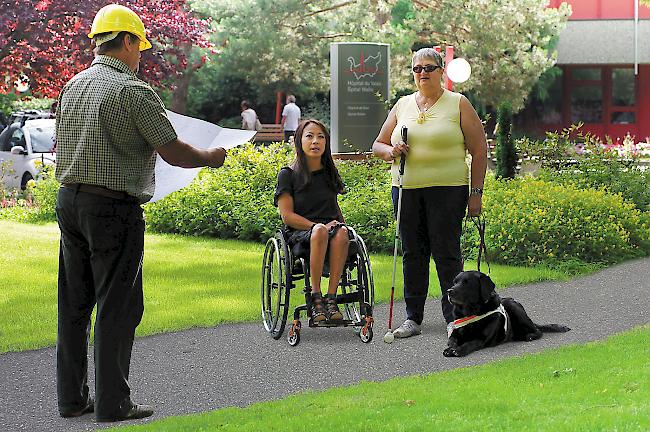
<point>46,40</point>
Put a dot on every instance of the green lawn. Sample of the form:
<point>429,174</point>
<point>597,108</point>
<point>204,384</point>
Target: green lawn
<point>602,386</point>
<point>188,282</point>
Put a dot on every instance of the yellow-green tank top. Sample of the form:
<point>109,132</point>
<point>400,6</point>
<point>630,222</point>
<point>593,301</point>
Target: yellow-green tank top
<point>437,145</point>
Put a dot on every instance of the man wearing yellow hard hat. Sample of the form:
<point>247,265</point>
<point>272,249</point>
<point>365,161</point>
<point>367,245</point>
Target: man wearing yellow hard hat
<point>109,127</point>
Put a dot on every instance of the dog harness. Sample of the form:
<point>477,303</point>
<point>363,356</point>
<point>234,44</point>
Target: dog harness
<point>462,322</point>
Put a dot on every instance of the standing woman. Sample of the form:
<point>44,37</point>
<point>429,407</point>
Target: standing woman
<point>442,126</point>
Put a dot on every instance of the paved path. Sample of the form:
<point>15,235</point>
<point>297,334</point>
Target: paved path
<point>238,364</point>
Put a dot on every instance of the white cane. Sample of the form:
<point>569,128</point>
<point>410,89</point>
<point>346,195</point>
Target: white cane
<point>389,337</point>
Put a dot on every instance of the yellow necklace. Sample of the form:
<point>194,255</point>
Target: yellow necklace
<point>422,116</point>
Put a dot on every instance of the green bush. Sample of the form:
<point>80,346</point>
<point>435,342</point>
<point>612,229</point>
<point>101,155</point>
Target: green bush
<point>235,201</point>
<point>532,221</point>
<point>367,204</point>
<point>605,169</point>
<point>33,103</point>
<point>44,191</point>
<point>529,220</point>
<point>37,203</point>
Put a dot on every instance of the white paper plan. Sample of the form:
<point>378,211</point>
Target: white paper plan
<point>200,134</point>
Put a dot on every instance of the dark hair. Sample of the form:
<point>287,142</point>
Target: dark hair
<point>114,43</point>
<point>299,164</point>
<point>245,104</point>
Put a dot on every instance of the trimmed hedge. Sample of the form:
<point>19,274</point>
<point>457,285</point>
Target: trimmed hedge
<point>236,201</point>
<point>532,221</point>
<point>604,169</point>
<point>529,221</point>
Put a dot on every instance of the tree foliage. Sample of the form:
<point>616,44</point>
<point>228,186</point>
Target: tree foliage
<point>284,44</point>
<point>509,43</point>
<point>46,40</point>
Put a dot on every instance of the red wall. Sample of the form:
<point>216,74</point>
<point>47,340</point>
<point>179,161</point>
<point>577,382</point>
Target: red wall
<point>603,9</point>
<point>643,120</point>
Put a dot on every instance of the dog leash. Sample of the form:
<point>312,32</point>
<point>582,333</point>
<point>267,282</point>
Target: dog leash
<point>479,223</point>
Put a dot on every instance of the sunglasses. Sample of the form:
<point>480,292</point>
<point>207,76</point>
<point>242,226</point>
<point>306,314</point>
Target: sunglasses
<point>426,68</point>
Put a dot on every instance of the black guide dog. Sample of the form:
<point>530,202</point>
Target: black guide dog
<point>483,319</point>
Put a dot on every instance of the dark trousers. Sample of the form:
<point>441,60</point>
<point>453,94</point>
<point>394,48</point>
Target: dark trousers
<point>100,262</point>
<point>288,134</point>
<point>430,226</point>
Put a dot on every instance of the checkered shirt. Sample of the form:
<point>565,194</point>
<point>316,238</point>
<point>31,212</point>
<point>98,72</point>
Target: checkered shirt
<point>108,124</point>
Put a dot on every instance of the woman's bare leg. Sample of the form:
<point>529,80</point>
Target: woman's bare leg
<point>338,256</point>
<point>317,250</point>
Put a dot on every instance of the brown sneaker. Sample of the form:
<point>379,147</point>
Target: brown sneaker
<point>318,312</point>
<point>333,312</point>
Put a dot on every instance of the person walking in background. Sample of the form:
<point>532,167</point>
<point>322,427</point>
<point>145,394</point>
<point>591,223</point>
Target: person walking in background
<point>290,117</point>
<point>442,126</point>
<point>249,120</point>
<point>109,127</point>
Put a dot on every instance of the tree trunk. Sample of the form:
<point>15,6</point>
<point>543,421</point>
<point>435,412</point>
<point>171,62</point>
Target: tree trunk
<point>179,98</point>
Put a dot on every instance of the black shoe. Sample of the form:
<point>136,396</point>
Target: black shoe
<point>88,408</point>
<point>136,412</point>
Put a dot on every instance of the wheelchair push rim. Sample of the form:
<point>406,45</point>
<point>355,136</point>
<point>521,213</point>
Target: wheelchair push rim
<point>364,282</point>
<point>275,286</point>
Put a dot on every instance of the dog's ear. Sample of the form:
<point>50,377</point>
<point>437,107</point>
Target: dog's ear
<point>487,287</point>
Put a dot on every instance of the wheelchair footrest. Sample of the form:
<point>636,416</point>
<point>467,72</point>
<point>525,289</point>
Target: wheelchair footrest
<point>338,323</point>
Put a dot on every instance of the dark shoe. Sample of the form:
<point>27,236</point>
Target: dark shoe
<point>90,407</point>
<point>333,312</point>
<point>317,307</point>
<point>136,412</point>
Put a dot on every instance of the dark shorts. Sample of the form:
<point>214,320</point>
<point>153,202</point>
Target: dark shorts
<point>299,240</point>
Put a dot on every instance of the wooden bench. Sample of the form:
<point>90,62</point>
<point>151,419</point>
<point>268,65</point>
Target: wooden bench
<point>270,133</point>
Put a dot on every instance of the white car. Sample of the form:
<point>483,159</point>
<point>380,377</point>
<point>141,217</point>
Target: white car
<point>21,147</point>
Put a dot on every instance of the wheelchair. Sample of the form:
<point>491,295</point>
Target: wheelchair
<point>281,272</point>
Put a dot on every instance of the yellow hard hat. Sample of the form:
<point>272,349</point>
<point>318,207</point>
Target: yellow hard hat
<point>118,18</point>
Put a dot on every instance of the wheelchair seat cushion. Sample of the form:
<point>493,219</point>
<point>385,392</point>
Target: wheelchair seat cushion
<point>298,240</point>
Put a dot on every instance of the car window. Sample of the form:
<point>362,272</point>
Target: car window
<point>18,138</point>
<point>42,139</point>
<point>5,138</point>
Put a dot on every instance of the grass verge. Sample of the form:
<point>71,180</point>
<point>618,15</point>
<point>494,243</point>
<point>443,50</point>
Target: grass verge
<point>602,386</point>
<point>188,282</point>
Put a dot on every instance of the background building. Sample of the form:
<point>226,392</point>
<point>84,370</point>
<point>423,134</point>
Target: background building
<point>602,76</point>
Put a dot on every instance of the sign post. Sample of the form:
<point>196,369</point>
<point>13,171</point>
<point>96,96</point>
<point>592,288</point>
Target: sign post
<point>360,85</point>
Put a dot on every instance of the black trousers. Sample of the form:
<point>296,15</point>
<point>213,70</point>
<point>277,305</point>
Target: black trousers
<point>100,262</point>
<point>430,226</point>
<point>288,134</point>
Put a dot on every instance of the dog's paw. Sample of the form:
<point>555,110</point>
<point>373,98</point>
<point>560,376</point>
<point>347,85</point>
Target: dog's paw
<point>450,352</point>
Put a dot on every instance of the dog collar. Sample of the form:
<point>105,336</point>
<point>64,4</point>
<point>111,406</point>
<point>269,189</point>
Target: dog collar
<point>462,322</point>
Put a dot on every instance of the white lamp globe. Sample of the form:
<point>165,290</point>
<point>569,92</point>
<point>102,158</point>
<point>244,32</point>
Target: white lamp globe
<point>22,84</point>
<point>459,70</point>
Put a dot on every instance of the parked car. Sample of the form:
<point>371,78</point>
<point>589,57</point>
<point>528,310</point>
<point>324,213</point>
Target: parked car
<point>23,116</point>
<point>22,145</point>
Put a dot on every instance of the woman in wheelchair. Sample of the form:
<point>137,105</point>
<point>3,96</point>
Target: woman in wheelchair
<point>306,196</point>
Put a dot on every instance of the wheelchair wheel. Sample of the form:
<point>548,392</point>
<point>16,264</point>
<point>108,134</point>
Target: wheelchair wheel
<point>366,336</point>
<point>361,273</point>
<point>276,284</point>
<point>293,337</point>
